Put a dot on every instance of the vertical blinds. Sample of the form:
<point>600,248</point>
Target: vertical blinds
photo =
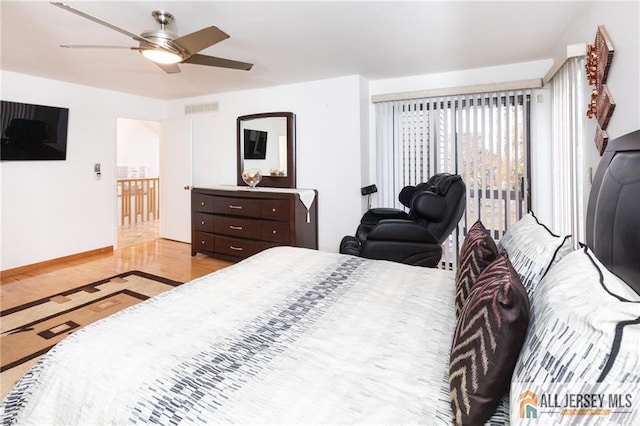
<point>482,137</point>
<point>567,169</point>
<point>14,109</point>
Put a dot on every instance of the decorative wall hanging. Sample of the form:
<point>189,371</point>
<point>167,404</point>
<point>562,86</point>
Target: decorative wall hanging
<point>601,104</point>
<point>605,106</point>
<point>601,139</point>
<point>604,49</point>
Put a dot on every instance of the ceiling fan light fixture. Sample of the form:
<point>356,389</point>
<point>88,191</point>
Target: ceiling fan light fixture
<point>165,48</point>
<point>161,56</point>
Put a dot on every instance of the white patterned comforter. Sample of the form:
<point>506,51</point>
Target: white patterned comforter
<point>288,336</point>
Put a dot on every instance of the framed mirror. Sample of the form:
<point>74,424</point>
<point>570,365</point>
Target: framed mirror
<point>268,142</point>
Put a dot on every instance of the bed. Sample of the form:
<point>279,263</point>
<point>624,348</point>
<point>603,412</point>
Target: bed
<point>297,336</point>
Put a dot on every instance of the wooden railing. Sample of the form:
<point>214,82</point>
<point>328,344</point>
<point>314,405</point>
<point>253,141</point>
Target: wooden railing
<point>139,199</point>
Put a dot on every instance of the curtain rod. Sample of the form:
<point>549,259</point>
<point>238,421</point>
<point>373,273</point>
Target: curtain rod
<point>534,83</point>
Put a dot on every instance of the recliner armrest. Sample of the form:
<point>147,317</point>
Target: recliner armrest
<point>377,214</point>
<point>401,230</point>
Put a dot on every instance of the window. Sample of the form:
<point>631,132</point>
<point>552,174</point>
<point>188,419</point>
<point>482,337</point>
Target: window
<point>482,137</point>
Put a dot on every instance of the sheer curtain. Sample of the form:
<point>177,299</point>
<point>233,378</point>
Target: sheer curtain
<point>568,111</point>
<point>483,137</point>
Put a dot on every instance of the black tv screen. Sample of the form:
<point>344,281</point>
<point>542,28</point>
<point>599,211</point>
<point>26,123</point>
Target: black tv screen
<point>33,132</point>
<point>255,144</point>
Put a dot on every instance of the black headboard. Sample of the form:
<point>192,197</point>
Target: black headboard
<point>613,212</point>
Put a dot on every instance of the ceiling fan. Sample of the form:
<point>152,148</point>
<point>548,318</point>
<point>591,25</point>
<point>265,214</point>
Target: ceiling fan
<point>164,47</point>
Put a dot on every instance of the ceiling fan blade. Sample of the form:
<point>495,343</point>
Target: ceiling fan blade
<point>101,22</point>
<point>212,61</point>
<point>169,68</point>
<point>96,46</point>
<point>199,40</point>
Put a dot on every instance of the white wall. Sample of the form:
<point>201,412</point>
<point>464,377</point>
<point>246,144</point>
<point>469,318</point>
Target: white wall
<point>367,120</point>
<point>487,75</point>
<point>621,22</point>
<point>329,133</point>
<point>138,144</point>
<point>52,209</point>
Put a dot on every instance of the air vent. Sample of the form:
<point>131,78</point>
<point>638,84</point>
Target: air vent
<point>201,108</point>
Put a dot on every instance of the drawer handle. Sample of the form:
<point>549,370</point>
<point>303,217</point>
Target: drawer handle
<point>235,248</point>
<point>203,242</point>
<point>237,228</point>
<point>274,232</point>
<point>203,222</point>
<point>273,210</point>
<point>202,203</point>
<point>232,206</point>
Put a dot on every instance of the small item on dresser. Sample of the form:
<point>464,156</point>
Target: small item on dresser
<point>252,177</point>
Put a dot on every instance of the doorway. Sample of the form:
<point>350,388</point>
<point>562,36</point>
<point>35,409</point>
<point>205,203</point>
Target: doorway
<point>137,181</point>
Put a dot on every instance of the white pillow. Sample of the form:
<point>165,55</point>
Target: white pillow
<point>612,283</point>
<point>583,339</point>
<point>532,249</point>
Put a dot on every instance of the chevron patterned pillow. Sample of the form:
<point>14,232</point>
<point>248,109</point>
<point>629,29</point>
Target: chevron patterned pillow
<point>486,343</point>
<point>477,252</point>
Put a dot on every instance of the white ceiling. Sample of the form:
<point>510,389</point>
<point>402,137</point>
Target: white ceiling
<point>287,42</point>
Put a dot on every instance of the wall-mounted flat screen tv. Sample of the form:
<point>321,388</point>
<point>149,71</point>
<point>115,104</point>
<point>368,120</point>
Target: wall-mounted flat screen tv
<point>255,144</point>
<point>33,132</point>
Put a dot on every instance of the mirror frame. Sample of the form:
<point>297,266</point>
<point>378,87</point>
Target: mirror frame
<point>288,181</point>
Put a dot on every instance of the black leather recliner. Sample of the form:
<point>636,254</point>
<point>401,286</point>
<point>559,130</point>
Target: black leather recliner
<point>416,237</point>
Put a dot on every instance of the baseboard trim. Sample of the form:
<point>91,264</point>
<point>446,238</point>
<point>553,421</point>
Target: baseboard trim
<point>53,262</point>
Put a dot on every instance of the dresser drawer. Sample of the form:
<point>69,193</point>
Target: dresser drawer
<point>277,232</point>
<point>275,210</point>
<point>202,203</point>
<point>236,223</point>
<point>237,247</point>
<point>203,222</point>
<point>237,227</point>
<point>202,241</point>
<point>237,206</point>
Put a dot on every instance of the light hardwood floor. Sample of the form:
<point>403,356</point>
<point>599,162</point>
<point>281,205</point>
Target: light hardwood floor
<point>162,257</point>
<point>170,259</point>
<point>138,232</point>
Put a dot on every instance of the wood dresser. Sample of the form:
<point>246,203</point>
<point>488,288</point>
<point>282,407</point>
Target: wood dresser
<point>235,222</point>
